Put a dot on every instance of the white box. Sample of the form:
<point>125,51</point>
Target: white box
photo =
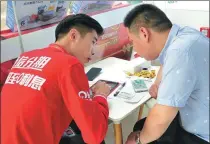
<point>137,64</point>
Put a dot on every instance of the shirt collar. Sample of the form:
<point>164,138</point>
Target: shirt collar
<point>172,34</point>
<point>59,47</point>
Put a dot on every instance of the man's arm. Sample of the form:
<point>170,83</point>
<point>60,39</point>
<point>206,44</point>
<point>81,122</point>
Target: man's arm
<point>90,116</point>
<point>159,75</point>
<point>178,82</point>
<point>153,90</point>
<point>157,122</point>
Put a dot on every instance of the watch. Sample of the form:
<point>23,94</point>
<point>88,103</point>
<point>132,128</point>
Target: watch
<point>137,138</point>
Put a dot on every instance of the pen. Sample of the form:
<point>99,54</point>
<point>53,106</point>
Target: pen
<point>120,89</point>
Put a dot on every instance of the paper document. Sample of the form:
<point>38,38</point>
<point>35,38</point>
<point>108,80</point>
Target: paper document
<point>128,94</point>
<point>113,75</point>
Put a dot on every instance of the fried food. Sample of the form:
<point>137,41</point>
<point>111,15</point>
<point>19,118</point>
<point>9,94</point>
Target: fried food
<point>143,73</point>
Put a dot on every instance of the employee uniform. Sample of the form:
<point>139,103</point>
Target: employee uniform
<point>185,83</point>
<point>45,90</point>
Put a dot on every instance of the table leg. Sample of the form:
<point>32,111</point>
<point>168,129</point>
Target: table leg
<point>118,133</point>
<point>141,111</point>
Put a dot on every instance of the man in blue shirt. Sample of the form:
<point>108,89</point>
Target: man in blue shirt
<point>181,115</point>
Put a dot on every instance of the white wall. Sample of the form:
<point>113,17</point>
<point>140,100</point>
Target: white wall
<point>191,13</point>
<point>186,13</point>
<point>192,18</point>
<point>10,48</point>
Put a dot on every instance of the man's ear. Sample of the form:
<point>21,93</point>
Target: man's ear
<point>144,34</point>
<point>127,30</point>
<point>129,34</point>
<point>73,34</point>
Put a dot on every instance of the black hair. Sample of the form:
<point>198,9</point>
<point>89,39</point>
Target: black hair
<point>149,16</point>
<point>82,22</point>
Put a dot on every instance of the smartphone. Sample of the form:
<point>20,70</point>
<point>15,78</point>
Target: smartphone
<point>139,85</point>
<point>93,73</point>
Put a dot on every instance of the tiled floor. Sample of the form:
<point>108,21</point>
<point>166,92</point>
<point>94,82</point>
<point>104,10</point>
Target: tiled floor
<point>127,126</point>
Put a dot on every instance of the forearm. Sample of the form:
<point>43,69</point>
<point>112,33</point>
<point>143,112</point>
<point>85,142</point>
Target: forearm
<point>90,115</point>
<point>152,130</point>
<point>96,117</point>
<point>156,124</point>
<point>159,76</point>
<point>100,120</point>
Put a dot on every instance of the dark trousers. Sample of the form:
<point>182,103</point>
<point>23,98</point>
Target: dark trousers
<point>175,134</point>
<point>77,139</point>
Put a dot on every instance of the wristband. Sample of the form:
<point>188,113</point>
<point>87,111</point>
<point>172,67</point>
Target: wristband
<point>137,138</point>
<point>100,95</point>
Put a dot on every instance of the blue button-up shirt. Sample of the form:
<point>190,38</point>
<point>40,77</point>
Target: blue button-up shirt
<point>185,78</point>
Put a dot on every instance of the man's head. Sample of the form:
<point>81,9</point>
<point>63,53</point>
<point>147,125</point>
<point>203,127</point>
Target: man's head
<point>78,34</point>
<point>148,28</point>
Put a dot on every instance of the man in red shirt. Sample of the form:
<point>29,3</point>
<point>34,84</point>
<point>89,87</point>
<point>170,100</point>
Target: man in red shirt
<point>47,88</point>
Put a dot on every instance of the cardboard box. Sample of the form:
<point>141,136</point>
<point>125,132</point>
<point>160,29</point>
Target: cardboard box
<point>31,14</point>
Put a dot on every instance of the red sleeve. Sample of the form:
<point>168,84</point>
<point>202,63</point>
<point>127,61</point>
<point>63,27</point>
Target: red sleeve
<point>91,116</point>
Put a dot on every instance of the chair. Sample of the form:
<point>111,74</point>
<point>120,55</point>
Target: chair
<point>5,69</point>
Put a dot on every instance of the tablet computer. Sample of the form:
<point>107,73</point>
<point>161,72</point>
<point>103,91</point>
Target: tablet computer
<point>112,84</point>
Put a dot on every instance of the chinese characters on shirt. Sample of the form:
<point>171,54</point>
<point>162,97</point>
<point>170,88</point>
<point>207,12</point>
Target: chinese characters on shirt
<point>25,79</point>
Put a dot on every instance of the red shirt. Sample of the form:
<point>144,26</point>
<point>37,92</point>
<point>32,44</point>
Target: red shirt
<point>44,91</point>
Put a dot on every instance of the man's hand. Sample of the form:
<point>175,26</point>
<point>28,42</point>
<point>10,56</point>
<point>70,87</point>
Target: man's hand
<point>132,138</point>
<point>101,88</point>
<point>153,90</point>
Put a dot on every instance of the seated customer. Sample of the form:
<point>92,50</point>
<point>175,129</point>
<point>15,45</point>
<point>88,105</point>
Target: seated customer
<point>181,115</point>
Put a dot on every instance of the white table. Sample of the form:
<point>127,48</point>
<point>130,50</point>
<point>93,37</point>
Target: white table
<point>118,110</point>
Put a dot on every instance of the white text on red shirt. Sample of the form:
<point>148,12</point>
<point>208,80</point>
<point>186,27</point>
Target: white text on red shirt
<point>36,63</point>
<point>28,80</point>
